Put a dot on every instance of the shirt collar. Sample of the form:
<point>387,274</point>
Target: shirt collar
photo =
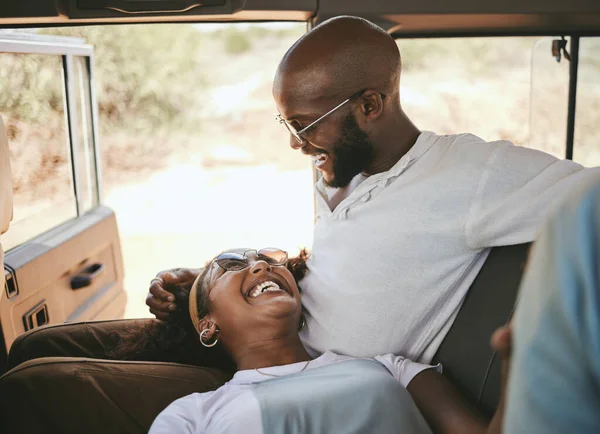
<point>420,147</point>
<point>249,376</point>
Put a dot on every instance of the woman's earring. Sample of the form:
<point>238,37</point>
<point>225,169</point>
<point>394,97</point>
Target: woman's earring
<point>202,339</point>
<point>302,322</point>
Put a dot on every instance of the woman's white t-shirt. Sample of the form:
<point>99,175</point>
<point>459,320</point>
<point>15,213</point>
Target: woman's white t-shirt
<point>301,397</point>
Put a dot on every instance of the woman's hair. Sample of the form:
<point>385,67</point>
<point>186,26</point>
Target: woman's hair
<point>176,340</point>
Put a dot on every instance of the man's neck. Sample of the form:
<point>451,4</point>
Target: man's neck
<point>270,352</point>
<point>393,143</point>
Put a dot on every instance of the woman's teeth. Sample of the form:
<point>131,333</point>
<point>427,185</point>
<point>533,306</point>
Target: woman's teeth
<point>319,159</point>
<point>261,288</point>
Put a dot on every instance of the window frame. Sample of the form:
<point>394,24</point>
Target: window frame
<point>68,48</point>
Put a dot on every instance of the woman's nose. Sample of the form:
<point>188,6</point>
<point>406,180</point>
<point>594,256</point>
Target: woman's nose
<point>260,267</point>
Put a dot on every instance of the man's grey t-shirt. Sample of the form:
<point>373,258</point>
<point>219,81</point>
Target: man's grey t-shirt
<point>394,255</point>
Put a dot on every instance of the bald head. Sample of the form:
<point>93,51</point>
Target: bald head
<point>338,58</point>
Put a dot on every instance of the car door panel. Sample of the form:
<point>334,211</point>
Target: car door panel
<point>64,261</point>
<point>44,268</point>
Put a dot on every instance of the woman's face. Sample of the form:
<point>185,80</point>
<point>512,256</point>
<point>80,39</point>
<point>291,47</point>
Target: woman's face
<point>259,302</point>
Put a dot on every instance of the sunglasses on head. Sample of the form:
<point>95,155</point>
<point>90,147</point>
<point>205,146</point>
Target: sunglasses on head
<point>233,261</point>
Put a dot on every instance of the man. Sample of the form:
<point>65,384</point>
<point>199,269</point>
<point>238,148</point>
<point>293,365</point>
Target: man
<point>405,219</point>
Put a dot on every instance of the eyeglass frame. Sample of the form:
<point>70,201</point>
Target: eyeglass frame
<point>215,260</point>
<point>297,134</point>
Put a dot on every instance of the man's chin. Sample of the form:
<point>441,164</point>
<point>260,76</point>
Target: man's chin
<point>333,181</point>
<point>329,180</point>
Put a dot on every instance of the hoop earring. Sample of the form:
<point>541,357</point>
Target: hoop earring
<point>302,321</point>
<point>202,340</point>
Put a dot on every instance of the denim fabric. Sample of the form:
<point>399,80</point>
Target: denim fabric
<point>554,384</point>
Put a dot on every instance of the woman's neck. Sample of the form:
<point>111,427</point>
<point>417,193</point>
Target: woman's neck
<point>270,352</point>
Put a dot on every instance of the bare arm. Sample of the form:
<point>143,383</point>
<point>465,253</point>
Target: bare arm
<point>446,411</point>
<point>443,408</point>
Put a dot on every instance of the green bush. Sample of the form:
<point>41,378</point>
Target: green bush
<point>143,76</point>
<point>236,42</point>
<point>30,86</point>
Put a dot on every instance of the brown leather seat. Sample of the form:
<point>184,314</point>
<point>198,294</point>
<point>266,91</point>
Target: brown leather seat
<point>73,394</point>
<point>465,354</point>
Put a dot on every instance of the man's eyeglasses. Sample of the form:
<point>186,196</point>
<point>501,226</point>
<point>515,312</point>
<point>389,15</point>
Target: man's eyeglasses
<point>232,261</point>
<point>298,133</point>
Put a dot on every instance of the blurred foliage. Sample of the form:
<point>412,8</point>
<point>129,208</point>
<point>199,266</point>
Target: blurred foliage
<point>30,86</point>
<point>476,55</point>
<point>236,42</point>
<point>143,76</point>
<point>239,40</point>
<point>485,55</point>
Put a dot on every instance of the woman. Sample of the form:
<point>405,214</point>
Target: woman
<point>248,302</point>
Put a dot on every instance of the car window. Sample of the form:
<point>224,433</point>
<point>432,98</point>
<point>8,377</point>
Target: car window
<point>53,181</point>
<point>586,148</point>
<point>549,98</point>
<point>38,143</point>
<point>193,160</point>
<point>497,88</point>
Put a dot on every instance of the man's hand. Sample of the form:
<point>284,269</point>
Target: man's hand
<point>160,301</point>
<point>502,344</point>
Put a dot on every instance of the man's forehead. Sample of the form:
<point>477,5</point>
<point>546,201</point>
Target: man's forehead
<point>302,95</point>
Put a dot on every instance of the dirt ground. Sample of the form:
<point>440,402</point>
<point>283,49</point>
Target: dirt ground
<point>247,207</point>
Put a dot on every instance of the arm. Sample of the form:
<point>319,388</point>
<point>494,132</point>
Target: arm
<point>446,411</point>
<point>443,408</point>
<point>518,188</point>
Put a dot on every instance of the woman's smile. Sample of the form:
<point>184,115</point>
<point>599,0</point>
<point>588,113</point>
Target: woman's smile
<point>269,285</point>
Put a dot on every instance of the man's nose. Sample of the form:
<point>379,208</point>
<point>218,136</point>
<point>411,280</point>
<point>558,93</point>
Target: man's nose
<point>295,144</point>
<point>260,267</point>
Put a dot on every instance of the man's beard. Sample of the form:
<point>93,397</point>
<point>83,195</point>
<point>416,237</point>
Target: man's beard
<point>352,154</point>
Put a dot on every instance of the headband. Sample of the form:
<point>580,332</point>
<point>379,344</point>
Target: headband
<point>194,304</point>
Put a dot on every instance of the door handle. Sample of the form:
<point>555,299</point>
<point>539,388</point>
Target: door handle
<point>87,276</point>
<point>36,317</point>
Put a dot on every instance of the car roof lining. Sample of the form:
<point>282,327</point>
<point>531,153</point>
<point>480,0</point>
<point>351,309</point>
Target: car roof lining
<point>426,17</point>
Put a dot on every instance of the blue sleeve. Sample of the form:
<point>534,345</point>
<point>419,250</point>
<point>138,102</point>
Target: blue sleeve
<point>554,383</point>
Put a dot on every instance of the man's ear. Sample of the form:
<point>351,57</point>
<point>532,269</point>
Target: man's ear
<point>371,105</point>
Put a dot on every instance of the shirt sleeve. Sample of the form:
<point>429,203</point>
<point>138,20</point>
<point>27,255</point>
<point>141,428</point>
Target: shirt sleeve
<point>519,187</point>
<point>555,366</point>
<point>181,416</point>
<point>404,370</point>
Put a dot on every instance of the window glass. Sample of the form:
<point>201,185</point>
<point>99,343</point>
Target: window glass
<point>586,148</point>
<point>84,135</point>
<point>32,105</point>
<point>549,99</point>
<point>496,88</point>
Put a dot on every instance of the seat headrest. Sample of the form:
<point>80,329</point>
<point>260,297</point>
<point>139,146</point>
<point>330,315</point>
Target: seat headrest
<point>6,194</point>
